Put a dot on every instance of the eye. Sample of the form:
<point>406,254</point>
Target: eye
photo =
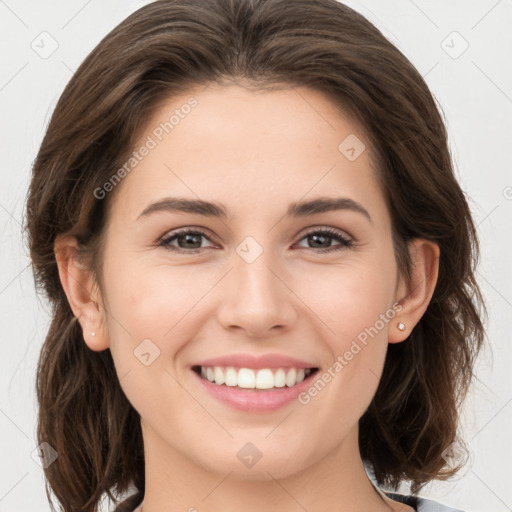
<point>324,237</point>
<point>190,240</point>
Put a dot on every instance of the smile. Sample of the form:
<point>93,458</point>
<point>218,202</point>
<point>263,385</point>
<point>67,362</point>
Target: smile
<point>248,378</point>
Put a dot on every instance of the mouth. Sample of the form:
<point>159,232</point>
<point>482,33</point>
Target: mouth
<point>261,379</point>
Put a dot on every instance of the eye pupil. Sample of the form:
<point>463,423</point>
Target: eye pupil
<point>322,238</point>
<point>189,239</point>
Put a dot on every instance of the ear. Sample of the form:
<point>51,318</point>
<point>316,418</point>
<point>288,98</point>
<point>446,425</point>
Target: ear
<point>415,293</point>
<point>82,293</point>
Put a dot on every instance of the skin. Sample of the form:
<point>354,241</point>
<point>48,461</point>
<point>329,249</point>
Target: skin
<point>256,153</point>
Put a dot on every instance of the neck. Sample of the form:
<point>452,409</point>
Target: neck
<point>336,482</point>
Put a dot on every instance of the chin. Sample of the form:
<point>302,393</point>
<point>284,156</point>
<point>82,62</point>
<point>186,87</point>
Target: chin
<point>251,464</point>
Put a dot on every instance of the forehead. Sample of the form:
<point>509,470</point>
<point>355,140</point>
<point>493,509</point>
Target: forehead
<point>244,147</point>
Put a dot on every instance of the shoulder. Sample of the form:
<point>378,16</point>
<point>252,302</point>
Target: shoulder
<point>420,504</point>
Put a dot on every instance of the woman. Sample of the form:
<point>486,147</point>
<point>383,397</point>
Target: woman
<point>261,266</point>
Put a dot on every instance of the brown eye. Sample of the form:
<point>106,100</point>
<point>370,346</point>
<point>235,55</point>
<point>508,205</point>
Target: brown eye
<point>188,240</point>
<point>321,240</point>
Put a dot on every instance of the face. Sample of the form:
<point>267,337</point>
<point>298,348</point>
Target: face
<point>256,274</point>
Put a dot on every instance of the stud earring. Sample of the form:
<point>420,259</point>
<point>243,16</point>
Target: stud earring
<point>401,326</point>
<point>93,334</point>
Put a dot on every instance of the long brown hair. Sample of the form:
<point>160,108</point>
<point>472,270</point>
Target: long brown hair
<point>167,47</point>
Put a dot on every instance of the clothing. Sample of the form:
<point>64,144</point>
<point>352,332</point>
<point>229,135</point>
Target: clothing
<point>416,502</point>
<point>420,504</point>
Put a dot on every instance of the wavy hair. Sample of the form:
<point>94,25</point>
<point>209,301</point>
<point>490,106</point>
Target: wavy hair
<point>166,48</point>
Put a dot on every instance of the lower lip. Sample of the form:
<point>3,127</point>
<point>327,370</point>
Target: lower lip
<point>256,400</point>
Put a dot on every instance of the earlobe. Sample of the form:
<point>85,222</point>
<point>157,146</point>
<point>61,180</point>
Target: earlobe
<point>414,294</point>
<point>82,292</point>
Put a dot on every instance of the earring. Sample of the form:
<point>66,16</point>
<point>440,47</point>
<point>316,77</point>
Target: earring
<point>93,334</point>
<point>401,326</point>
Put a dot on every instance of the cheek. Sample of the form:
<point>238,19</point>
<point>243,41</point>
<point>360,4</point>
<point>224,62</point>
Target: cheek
<point>152,301</point>
<point>150,308</point>
<point>354,303</point>
<point>359,314</point>
<point>352,298</point>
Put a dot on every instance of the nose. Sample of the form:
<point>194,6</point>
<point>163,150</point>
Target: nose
<point>257,298</point>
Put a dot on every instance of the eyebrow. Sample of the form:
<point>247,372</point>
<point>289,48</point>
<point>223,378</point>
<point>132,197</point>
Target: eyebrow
<point>297,209</point>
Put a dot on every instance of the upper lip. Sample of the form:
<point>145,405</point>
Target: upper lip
<point>257,362</point>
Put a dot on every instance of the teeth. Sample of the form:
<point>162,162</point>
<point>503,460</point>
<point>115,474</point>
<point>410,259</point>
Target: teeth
<point>246,378</point>
<point>291,377</point>
<point>219,375</point>
<point>280,378</point>
<point>231,377</point>
<point>254,379</point>
<point>264,379</point>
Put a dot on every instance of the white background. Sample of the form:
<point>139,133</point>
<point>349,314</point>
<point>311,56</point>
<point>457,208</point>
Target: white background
<point>475,94</point>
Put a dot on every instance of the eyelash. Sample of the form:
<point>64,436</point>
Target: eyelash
<point>331,233</point>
